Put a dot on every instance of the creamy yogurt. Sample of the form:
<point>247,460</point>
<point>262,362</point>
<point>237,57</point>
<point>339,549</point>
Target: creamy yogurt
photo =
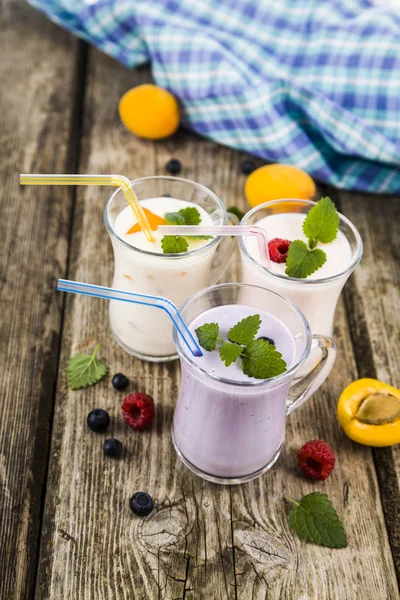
<point>142,267</point>
<point>316,300</point>
<point>224,429</point>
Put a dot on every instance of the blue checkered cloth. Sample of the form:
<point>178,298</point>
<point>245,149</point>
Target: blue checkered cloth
<point>313,83</point>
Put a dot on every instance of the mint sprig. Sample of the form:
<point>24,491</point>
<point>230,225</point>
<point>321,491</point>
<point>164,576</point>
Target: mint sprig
<point>84,370</point>
<point>172,244</point>
<point>320,225</point>
<point>315,520</point>
<point>260,359</point>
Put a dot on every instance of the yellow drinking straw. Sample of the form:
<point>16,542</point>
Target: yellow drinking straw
<point>114,180</point>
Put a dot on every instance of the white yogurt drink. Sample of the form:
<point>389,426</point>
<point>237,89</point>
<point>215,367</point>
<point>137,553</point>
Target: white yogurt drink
<point>317,295</point>
<point>228,427</point>
<point>142,267</point>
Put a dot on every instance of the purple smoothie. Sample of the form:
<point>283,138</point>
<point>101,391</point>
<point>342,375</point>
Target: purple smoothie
<point>228,425</point>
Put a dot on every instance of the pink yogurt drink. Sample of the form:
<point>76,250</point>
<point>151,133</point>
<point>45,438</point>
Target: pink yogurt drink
<point>228,427</point>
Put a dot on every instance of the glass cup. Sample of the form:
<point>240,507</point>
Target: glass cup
<point>140,330</point>
<point>316,298</point>
<point>231,432</point>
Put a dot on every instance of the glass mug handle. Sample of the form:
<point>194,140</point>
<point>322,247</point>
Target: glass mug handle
<point>302,390</point>
<point>224,253</point>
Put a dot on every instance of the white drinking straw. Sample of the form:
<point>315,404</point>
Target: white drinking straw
<point>98,291</point>
<point>227,230</point>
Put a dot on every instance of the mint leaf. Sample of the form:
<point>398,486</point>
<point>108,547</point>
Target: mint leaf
<point>229,353</point>
<point>262,361</point>
<point>174,244</point>
<point>315,520</point>
<point>84,370</point>
<point>321,223</point>
<point>235,211</point>
<point>199,237</point>
<point>191,215</point>
<point>174,218</point>
<point>207,335</point>
<point>302,262</point>
<point>245,331</point>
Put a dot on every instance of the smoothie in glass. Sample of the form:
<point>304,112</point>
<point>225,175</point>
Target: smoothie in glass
<point>317,295</point>
<point>228,427</point>
<point>142,266</point>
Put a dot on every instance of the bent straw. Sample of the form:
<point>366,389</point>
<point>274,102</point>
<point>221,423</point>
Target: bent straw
<point>114,180</point>
<point>98,291</point>
<point>235,230</point>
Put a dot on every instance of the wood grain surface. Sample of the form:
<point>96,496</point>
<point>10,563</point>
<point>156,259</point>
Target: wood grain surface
<point>38,91</point>
<point>202,541</point>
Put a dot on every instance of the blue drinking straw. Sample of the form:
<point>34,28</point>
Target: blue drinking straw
<point>98,291</point>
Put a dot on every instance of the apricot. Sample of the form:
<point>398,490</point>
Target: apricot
<point>149,111</point>
<point>275,182</point>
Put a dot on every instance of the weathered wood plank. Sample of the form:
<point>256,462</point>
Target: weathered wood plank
<point>373,306</point>
<point>38,74</point>
<point>202,541</point>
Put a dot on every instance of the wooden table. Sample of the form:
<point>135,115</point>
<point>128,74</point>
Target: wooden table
<point>66,528</point>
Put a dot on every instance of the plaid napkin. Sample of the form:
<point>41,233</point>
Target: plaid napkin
<point>314,83</point>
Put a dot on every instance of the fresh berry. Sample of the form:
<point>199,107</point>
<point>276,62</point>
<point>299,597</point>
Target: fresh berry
<point>98,420</point>
<point>316,459</point>
<point>141,504</point>
<point>267,339</point>
<point>248,166</point>
<point>173,166</point>
<point>278,250</point>
<point>119,381</point>
<point>138,410</point>
<point>112,448</point>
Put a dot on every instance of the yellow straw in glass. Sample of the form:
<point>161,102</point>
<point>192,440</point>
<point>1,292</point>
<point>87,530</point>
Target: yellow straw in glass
<point>114,180</point>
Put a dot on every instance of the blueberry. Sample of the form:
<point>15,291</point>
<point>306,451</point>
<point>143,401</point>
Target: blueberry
<point>98,420</point>
<point>119,381</point>
<point>267,339</point>
<point>112,448</point>
<point>248,166</point>
<point>173,166</point>
<point>141,504</point>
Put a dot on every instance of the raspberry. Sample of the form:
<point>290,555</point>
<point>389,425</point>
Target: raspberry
<point>138,410</point>
<point>316,459</point>
<point>278,250</point>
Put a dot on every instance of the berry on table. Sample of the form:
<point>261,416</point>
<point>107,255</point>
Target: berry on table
<point>278,250</point>
<point>138,410</point>
<point>316,459</point>
<point>173,166</point>
<point>141,504</point>
<point>112,448</point>
<point>98,420</point>
<point>119,381</point>
<point>267,339</point>
<point>247,166</point>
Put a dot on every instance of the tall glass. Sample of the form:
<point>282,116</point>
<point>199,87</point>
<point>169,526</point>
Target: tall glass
<point>231,432</point>
<point>316,298</point>
<point>140,330</point>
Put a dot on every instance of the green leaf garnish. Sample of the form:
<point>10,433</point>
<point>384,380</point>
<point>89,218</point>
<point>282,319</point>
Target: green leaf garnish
<point>174,218</point>
<point>84,370</point>
<point>315,520</point>
<point>235,211</point>
<point>302,262</point>
<point>229,353</point>
<point>186,216</point>
<point>321,223</point>
<point>174,244</point>
<point>262,361</point>
<point>191,215</point>
<point>245,331</point>
<point>207,335</point>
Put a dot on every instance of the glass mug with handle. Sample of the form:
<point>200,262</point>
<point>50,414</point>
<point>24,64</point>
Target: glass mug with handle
<point>229,428</point>
<point>141,331</point>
